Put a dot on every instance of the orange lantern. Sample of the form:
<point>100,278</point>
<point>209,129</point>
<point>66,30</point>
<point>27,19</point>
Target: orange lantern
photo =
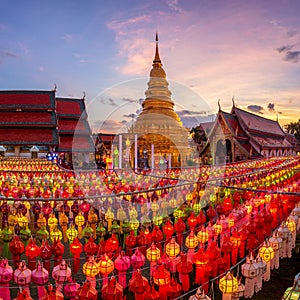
<point>161,277</point>
<point>138,284</point>
<point>228,285</point>
<point>191,242</point>
<point>202,236</point>
<point>106,266</point>
<point>87,292</point>
<point>152,254</point>
<point>112,290</point>
<point>172,248</point>
<point>91,269</point>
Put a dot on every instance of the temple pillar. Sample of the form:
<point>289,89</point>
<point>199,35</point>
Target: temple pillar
<point>17,150</point>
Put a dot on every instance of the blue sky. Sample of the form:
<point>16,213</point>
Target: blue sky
<point>210,50</point>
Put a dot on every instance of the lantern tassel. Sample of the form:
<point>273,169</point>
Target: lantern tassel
<point>5,291</point>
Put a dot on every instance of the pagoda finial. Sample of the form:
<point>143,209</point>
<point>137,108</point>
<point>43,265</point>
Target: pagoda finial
<point>219,105</point>
<point>233,103</point>
<point>156,58</point>
<point>83,98</point>
<point>55,88</point>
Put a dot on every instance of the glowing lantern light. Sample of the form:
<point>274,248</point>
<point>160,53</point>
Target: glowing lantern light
<point>172,248</point>
<point>32,251</point>
<point>152,254</point>
<point>76,249</point>
<point>79,221</point>
<point>106,266</point>
<point>138,284</point>
<point>201,261</point>
<point>292,226</point>
<point>250,271</point>
<point>236,241</point>
<point>109,217</point>
<point>266,252</point>
<point>191,242</point>
<point>228,285</point>
<point>112,244</point>
<point>91,269</point>
<point>161,277</point>
<point>87,292</point>
<point>184,267</point>
<point>22,276</point>
<point>276,243</point>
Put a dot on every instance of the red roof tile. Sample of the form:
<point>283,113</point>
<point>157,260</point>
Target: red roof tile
<point>78,144</point>
<point>72,125</point>
<point>70,107</point>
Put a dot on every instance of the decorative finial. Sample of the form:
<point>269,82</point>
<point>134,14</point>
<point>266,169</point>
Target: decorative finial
<point>219,104</point>
<point>55,88</point>
<point>156,58</point>
<point>277,118</point>
<point>83,98</point>
<point>233,103</point>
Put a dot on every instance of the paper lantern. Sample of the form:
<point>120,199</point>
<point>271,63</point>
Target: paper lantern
<point>40,276</point>
<point>106,266</point>
<point>175,289</point>
<point>112,290</point>
<point>79,221</point>
<point>111,244</point>
<point>179,227</point>
<point>168,230</point>
<point>32,251</point>
<point>6,274</point>
<point>200,295</point>
<point>22,276</point>
<point>122,264</point>
<point>137,259</point>
<point>262,269</point>
<point>46,253</point>
<point>161,277</point>
<point>61,273</point>
<point>172,248</point>
<point>191,240</point>
<point>91,248</point>
<point>276,243</point>
<point>71,233</point>
<point>71,289</point>
<point>201,260</point>
<point>138,284</point>
<point>55,234</point>
<point>266,253</point>
<point>91,269</point>
<point>250,271</point>
<point>293,293</point>
<point>228,285</point>
<point>202,236</point>
<point>292,226</point>
<point>152,254</point>
<point>151,294</point>
<point>184,267</point>
<point>87,292</point>
<point>23,295</point>
<point>16,247</point>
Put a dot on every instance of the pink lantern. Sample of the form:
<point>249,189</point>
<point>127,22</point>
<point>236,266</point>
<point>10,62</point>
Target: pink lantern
<point>137,259</point>
<point>6,275</point>
<point>22,276</point>
<point>40,276</point>
<point>71,289</point>
<point>61,273</point>
<point>122,264</point>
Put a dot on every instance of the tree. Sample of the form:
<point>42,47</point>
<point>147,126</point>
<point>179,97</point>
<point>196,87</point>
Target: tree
<point>294,128</point>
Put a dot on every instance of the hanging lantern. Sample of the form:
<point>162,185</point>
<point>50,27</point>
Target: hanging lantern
<point>71,289</point>
<point>111,244</point>
<point>266,252</point>
<point>172,248</point>
<point>55,234</point>
<point>137,259</point>
<point>130,242</point>
<point>87,292</point>
<point>236,241</point>
<point>76,249</point>
<point>90,248</point>
<point>152,254</point>
<point>184,267</point>
<point>168,230</point>
<point>23,295</point>
<point>201,261</point>
<point>6,275</point>
<point>138,284</point>
<point>57,249</point>
<point>71,233</point>
<point>61,274</point>
<point>40,276</point>
<point>109,217</point>
<point>191,242</point>
<point>202,236</point>
<point>250,272</point>
<point>276,243</point>
<point>46,253</point>
<point>262,269</point>
<point>200,295</point>
<point>180,228</point>
<point>226,248</point>
<point>22,276</point>
<point>106,266</point>
<point>161,277</point>
<point>63,222</point>
<point>228,285</point>
<point>175,289</point>
<point>79,221</point>
<point>112,290</point>
<point>240,292</point>
<point>122,264</point>
<point>32,251</point>
<point>16,247</point>
<point>134,225</point>
<point>91,269</point>
<point>292,226</point>
<point>151,294</point>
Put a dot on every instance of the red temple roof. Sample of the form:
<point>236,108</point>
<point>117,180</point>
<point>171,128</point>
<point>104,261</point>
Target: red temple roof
<point>77,144</point>
<point>74,108</point>
<point>71,126</point>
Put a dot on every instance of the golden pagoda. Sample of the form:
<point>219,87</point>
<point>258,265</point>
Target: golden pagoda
<point>158,124</point>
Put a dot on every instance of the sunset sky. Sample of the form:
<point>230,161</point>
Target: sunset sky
<point>210,50</point>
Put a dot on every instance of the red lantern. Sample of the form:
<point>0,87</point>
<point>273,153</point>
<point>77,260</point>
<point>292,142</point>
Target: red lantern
<point>226,248</point>
<point>46,253</point>
<point>151,294</point>
<point>91,248</point>
<point>179,227</point>
<point>201,260</point>
<point>236,241</point>
<point>138,284</point>
<point>175,289</point>
<point>168,230</point>
<point>184,267</point>
<point>112,290</point>
<point>122,264</point>
<point>201,219</point>
<point>16,247</point>
<point>112,244</point>
<point>76,249</point>
<point>23,295</point>
<point>32,251</point>
<point>57,249</point>
<point>130,243</point>
<point>87,292</point>
<point>161,277</point>
<point>157,236</point>
<point>53,294</point>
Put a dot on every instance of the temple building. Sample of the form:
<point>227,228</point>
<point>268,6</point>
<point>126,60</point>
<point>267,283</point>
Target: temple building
<point>158,125</point>
<point>35,123</point>
<point>241,135</point>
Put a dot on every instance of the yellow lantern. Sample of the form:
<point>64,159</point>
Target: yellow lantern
<point>55,234</point>
<point>291,224</point>
<point>71,233</point>
<point>134,225</point>
<point>105,265</point>
<point>154,208</point>
<point>172,248</point>
<point>63,221</point>
<point>23,221</point>
<point>218,228</point>
<point>93,218</point>
<point>230,222</point>
<point>52,222</point>
<point>90,268</point>
<point>109,217</point>
<point>266,253</point>
<point>79,221</point>
<point>228,285</point>
<point>153,253</point>
<point>158,220</point>
<point>191,240</point>
<point>202,236</point>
